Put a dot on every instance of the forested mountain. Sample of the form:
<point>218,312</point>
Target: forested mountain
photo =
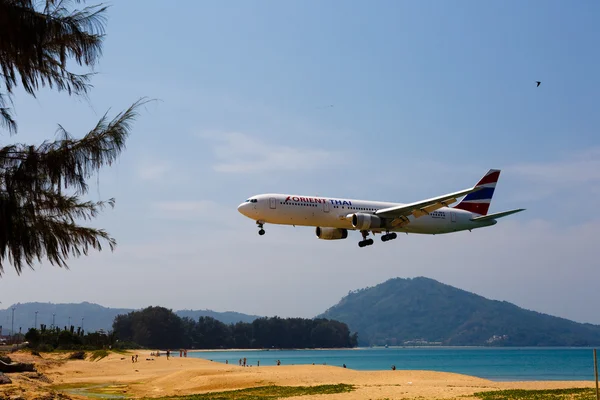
<point>396,312</point>
<point>95,317</point>
<point>422,310</point>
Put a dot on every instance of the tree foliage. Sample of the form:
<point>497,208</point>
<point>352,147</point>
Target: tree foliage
<point>160,328</point>
<point>69,338</point>
<point>38,220</point>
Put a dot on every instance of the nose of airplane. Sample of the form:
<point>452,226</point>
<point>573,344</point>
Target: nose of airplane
<point>243,208</point>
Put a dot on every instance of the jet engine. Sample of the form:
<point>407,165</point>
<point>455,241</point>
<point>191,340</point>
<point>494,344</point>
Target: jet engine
<point>365,222</point>
<point>331,233</point>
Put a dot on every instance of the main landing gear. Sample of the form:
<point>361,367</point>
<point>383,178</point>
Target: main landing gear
<point>365,241</point>
<point>389,236</point>
<point>261,230</point>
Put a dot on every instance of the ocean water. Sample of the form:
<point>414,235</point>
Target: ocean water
<point>498,364</point>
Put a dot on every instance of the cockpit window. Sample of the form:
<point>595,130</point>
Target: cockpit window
<point>251,201</point>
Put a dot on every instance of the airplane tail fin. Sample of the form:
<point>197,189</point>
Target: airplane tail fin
<point>479,202</point>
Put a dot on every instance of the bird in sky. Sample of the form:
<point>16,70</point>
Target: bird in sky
<point>538,83</point>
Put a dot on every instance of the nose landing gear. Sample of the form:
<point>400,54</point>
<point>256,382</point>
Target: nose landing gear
<point>261,230</point>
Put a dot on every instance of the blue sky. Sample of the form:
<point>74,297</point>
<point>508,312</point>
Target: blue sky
<point>426,97</point>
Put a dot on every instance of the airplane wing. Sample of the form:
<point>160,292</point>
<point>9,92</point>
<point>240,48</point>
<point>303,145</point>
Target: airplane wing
<point>423,207</point>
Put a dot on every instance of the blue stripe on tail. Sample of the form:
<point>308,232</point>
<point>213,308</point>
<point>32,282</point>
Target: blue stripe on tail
<point>483,194</point>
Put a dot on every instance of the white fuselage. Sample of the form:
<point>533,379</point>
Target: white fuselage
<point>330,212</point>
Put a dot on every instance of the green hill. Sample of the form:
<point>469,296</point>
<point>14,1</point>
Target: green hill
<point>422,310</point>
<point>95,317</point>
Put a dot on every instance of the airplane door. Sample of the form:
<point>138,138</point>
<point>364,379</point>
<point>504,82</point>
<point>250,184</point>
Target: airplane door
<point>273,202</point>
<point>326,207</point>
<point>453,216</point>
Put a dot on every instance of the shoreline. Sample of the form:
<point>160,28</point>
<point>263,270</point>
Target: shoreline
<point>158,377</point>
<point>396,347</point>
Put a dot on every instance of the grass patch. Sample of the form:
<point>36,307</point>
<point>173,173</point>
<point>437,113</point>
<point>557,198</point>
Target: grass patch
<point>98,355</point>
<point>94,390</point>
<point>267,392</point>
<point>548,394</point>
<point>68,386</point>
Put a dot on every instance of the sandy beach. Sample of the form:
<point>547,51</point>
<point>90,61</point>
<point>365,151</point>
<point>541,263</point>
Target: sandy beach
<point>157,376</point>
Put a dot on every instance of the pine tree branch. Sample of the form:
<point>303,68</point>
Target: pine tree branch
<point>6,118</point>
<point>68,161</point>
<point>27,237</point>
<point>36,220</point>
<point>35,45</point>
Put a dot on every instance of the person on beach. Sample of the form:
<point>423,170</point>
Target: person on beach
<point>168,353</point>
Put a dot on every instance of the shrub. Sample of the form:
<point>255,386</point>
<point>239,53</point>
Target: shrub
<point>78,355</point>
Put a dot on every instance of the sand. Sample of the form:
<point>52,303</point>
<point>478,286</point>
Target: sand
<point>181,376</point>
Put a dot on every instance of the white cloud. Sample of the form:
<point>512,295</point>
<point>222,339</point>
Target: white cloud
<point>212,213</point>
<point>187,209</point>
<point>153,172</point>
<point>536,181</point>
<point>241,153</point>
<point>581,168</point>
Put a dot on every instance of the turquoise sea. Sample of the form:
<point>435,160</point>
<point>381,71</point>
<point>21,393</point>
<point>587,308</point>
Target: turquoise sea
<point>498,364</point>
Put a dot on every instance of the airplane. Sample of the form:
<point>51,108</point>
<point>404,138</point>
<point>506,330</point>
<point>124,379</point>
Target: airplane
<point>334,217</point>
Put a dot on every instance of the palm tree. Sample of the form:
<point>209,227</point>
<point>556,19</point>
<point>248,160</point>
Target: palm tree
<point>38,220</point>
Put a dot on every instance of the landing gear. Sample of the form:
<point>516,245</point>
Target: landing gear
<point>389,236</point>
<point>261,230</point>
<point>365,241</point>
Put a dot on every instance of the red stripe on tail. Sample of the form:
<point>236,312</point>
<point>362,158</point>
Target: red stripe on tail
<point>491,178</point>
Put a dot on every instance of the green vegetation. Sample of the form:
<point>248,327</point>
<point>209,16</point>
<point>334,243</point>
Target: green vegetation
<point>550,394</point>
<point>93,390</point>
<point>267,392</point>
<point>41,185</point>
<point>160,328</point>
<point>98,355</point>
<point>47,340</point>
<point>401,310</point>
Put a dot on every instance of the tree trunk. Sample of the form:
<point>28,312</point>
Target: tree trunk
<point>16,367</point>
